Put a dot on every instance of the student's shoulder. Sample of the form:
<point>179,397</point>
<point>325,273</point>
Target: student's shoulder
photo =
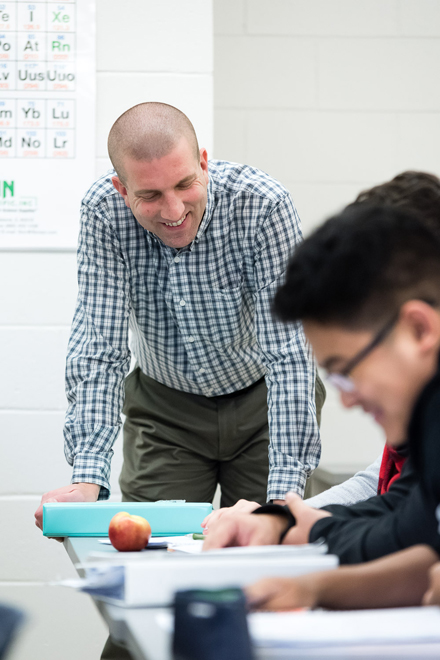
<point>234,179</point>
<point>101,192</point>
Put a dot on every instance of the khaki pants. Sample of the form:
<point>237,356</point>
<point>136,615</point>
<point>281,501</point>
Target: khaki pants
<point>179,446</point>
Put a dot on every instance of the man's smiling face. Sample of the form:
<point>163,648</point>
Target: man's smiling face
<point>168,195</point>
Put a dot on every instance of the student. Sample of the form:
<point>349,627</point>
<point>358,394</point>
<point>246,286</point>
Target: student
<point>395,376</point>
<point>418,192</point>
<point>377,333</point>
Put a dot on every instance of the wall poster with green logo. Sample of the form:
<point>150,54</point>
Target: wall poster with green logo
<point>47,120</point>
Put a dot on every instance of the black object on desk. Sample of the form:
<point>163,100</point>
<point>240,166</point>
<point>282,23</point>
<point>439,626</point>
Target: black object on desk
<point>10,619</point>
<point>211,625</point>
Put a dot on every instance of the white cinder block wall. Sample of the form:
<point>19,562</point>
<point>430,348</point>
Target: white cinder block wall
<point>330,97</point>
<point>146,50</point>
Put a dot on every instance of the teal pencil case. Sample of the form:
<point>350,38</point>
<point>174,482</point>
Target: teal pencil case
<point>167,518</point>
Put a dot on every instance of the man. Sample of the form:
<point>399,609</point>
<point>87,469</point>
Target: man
<point>189,257</point>
<point>377,333</point>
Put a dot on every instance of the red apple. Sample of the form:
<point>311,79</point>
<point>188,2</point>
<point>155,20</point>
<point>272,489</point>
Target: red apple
<point>128,533</point>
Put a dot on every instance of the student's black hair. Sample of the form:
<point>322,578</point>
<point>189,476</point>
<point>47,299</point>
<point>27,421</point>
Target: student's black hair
<point>359,267</point>
<point>418,192</point>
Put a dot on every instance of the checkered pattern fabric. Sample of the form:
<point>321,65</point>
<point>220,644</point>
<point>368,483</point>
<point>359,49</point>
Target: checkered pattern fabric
<point>199,317</point>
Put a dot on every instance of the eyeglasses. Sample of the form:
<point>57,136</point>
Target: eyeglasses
<point>341,379</point>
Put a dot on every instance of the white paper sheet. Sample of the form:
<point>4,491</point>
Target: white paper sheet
<point>268,550</point>
<point>156,540</point>
<point>315,629</point>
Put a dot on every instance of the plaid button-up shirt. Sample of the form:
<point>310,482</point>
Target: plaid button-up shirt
<point>199,316</point>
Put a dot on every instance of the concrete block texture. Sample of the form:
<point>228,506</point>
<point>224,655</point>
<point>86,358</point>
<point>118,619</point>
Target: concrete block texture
<point>322,17</point>
<point>419,141</point>
<point>317,201</point>
<point>229,16</point>
<point>103,165</point>
<point>25,554</point>
<point>349,437</point>
<point>61,624</point>
<point>33,361</point>
<point>191,93</point>
<point>322,147</point>
<point>154,36</point>
<point>41,290</point>
<point>230,135</point>
<point>378,74</point>
<point>31,452</point>
<point>419,18</point>
<point>264,72</point>
<point>32,459</point>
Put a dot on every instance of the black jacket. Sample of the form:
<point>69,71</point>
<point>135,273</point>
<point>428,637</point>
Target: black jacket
<point>404,516</point>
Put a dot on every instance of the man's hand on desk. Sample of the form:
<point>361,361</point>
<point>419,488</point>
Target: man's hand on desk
<point>82,492</point>
<point>244,529</point>
<point>305,518</point>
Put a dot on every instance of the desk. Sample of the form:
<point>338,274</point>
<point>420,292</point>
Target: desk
<point>135,627</point>
<point>138,628</point>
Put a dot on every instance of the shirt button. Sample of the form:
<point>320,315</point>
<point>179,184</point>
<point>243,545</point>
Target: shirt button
<point>202,370</point>
<point>182,303</point>
<point>191,339</point>
<point>176,260</point>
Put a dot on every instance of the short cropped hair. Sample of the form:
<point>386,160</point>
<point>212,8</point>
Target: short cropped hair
<point>359,267</point>
<point>148,131</point>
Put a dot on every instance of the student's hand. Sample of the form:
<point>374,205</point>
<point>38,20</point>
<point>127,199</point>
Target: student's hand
<point>282,593</point>
<point>244,529</point>
<point>82,492</point>
<point>305,517</point>
<point>242,506</point>
<point>432,596</point>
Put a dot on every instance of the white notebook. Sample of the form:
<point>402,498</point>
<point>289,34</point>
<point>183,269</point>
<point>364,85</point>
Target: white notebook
<point>154,582</point>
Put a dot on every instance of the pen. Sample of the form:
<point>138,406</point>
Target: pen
<point>198,537</point>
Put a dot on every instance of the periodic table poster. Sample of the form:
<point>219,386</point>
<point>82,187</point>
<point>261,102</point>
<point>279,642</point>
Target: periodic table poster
<point>47,120</point>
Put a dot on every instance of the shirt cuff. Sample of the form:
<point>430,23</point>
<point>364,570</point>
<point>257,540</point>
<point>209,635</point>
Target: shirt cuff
<point>284,479</point>
<point>91,468</point>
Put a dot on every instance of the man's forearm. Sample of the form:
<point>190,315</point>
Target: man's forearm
<point>399,580</point>
<point>98,356</point>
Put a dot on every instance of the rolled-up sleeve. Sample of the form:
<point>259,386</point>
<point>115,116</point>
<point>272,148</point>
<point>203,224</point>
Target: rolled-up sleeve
<point>295,446</point>
<point>98,355</point>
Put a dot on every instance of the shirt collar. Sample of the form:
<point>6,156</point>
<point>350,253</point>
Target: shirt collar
<point>207,216</point>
